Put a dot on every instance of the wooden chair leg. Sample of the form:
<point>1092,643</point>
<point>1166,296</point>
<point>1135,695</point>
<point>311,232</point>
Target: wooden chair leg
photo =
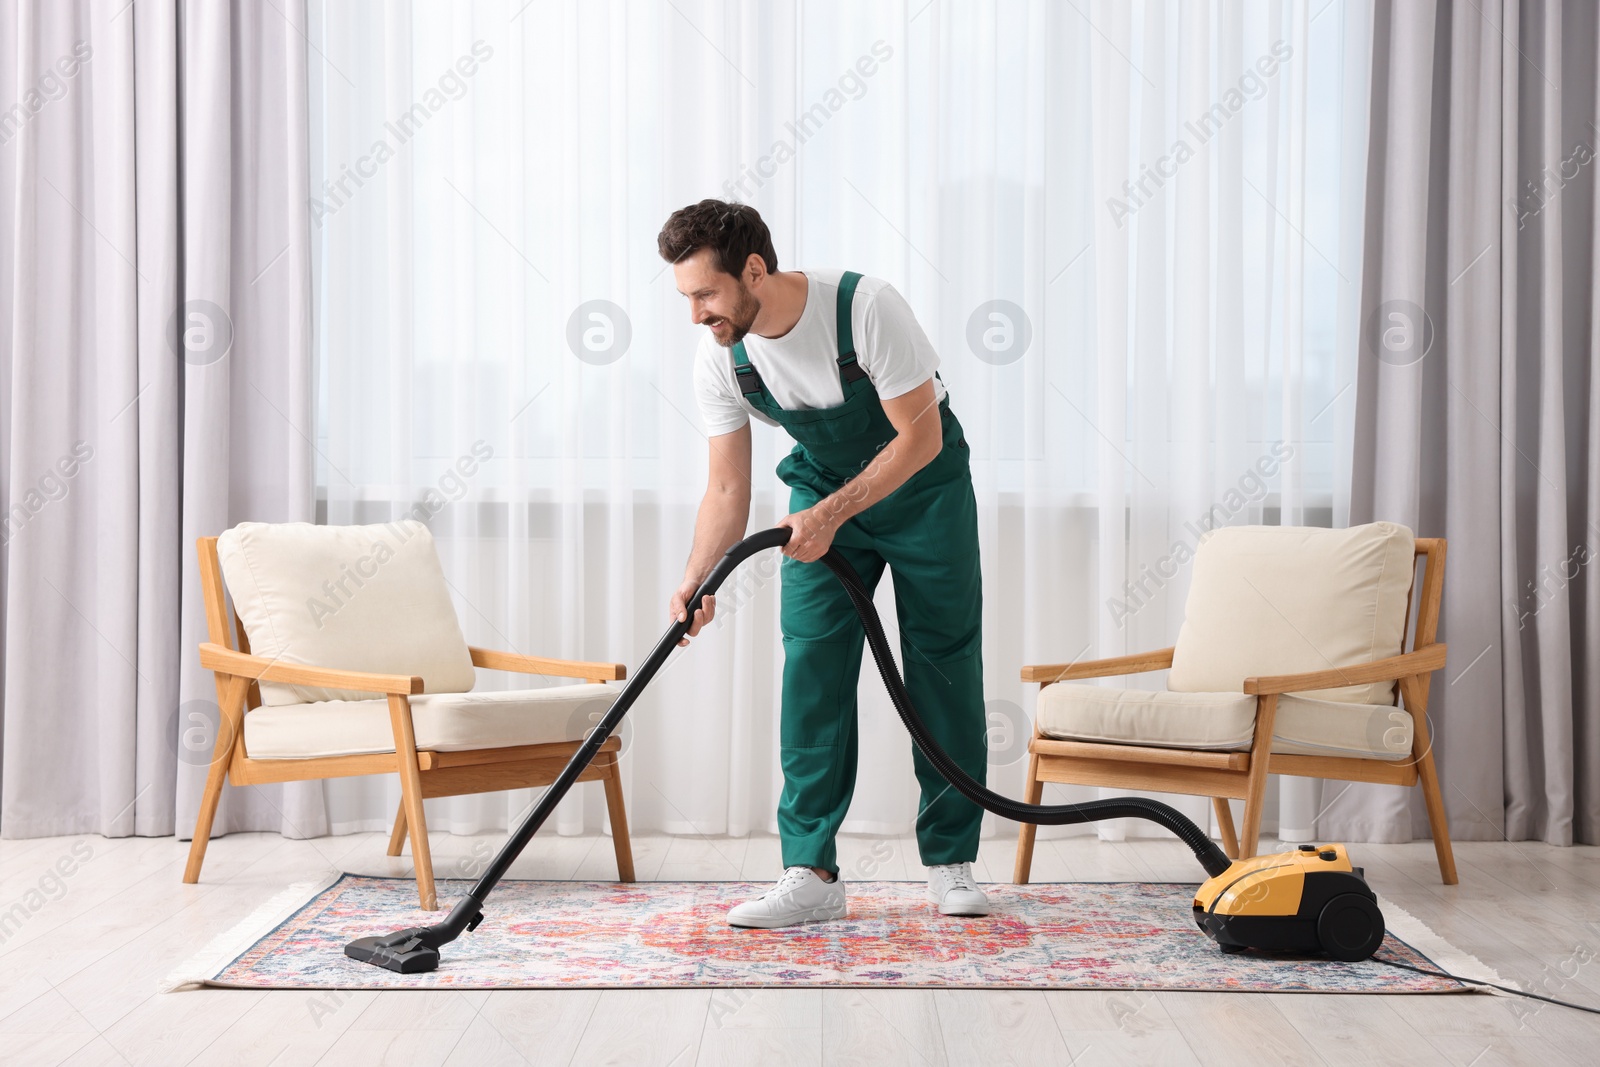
<point>1250,835</point>
<point>620,841</point>
<point>1032,793</point>
<point>230,696</point>
<point>202,823</point>
<point>1230,840</point>
<point>397,836</point>
<point>411,794</point>
<point>1260,760</point>
<point>421,854</point>
<point>1438,821</point>
<point>1414,692</point>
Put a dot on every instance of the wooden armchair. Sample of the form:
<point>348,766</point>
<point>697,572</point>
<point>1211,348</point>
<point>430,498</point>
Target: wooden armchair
<point>380,736</point>
<point>1222,771</point>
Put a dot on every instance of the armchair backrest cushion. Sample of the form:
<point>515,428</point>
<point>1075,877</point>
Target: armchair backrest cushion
<point>1285,599</point>
<point>360,598</point>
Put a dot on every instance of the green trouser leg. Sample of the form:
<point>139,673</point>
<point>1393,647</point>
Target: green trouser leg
<point>822,647</point>
<point>931,547</point>
<point>929,541</point>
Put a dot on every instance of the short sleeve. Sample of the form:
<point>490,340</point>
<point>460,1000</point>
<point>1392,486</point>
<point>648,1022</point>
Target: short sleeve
<point>896,355</point>
<point>720,410</point>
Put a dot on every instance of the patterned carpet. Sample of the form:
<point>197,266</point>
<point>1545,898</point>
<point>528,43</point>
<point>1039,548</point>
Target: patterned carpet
<point>553,934</point>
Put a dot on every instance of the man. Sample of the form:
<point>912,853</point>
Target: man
<point>880,473</point>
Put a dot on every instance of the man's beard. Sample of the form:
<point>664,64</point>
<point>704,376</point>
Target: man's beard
<point>743,317</point>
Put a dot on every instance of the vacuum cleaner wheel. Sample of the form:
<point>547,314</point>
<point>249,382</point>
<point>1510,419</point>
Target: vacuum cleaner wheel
<point>1350,927</point>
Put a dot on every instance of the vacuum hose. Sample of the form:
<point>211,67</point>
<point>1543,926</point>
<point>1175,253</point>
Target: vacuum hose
<point>1212,858</point>
<point>417,948</point>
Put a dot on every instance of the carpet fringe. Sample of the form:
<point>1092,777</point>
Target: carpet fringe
<point>231,943</point>
<point>1416,933</point>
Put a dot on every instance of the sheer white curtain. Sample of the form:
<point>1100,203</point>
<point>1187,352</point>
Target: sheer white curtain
<point>1123,355</point>
<point>1228,146</point>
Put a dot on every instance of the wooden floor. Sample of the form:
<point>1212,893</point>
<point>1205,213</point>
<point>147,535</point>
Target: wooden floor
<point>83,948</point>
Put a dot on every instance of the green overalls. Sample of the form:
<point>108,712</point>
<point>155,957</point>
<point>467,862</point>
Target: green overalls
<point>926,531</point>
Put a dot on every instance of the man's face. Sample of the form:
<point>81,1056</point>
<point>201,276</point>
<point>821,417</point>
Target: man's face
<point>718,301</point>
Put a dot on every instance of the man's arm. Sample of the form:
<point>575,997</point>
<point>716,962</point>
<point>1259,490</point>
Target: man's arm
<point>919,436</point>
<point>724,514</point>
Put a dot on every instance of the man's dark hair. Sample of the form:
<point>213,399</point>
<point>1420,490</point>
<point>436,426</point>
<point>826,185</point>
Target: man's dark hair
<point>735,231</point>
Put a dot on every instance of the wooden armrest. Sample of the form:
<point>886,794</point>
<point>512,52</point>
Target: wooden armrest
<point>1422,661</point>
<point>243,665</point>
<point>1138,663</point>
<point>559,668</point>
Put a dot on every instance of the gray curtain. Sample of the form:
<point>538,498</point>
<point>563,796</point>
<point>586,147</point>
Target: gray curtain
<point>154,386</point>
<point>1476,400</point>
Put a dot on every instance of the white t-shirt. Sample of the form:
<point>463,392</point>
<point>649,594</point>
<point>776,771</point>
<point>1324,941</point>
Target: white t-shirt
<point>801,368</point>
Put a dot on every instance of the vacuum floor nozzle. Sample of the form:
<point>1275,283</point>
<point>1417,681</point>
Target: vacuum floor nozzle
<point>403,953</point>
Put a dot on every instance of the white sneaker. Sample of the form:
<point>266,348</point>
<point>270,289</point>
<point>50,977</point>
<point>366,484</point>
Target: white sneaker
<point>799,897</point>
<point>950,886</point>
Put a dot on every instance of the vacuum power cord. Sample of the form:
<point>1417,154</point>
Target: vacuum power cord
<point>1489,985</point>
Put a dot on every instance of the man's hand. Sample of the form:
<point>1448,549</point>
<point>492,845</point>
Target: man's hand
<point>812,537</point>
<point>678,606</point>
<point>918,439</point>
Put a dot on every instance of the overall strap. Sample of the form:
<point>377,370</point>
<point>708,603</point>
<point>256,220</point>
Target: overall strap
<point>745,372</point>
<point>849,369</point>
<point>749,378</point>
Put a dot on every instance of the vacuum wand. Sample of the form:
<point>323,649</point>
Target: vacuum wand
<point>417,949</point>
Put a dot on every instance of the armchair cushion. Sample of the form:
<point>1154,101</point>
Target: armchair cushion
<point>360,598</point>
<point>1222,721</point>
<point>443,722</point>
<point>1270,600</point>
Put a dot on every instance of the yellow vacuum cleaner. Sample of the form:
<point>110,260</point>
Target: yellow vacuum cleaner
<point>1308,900</point>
